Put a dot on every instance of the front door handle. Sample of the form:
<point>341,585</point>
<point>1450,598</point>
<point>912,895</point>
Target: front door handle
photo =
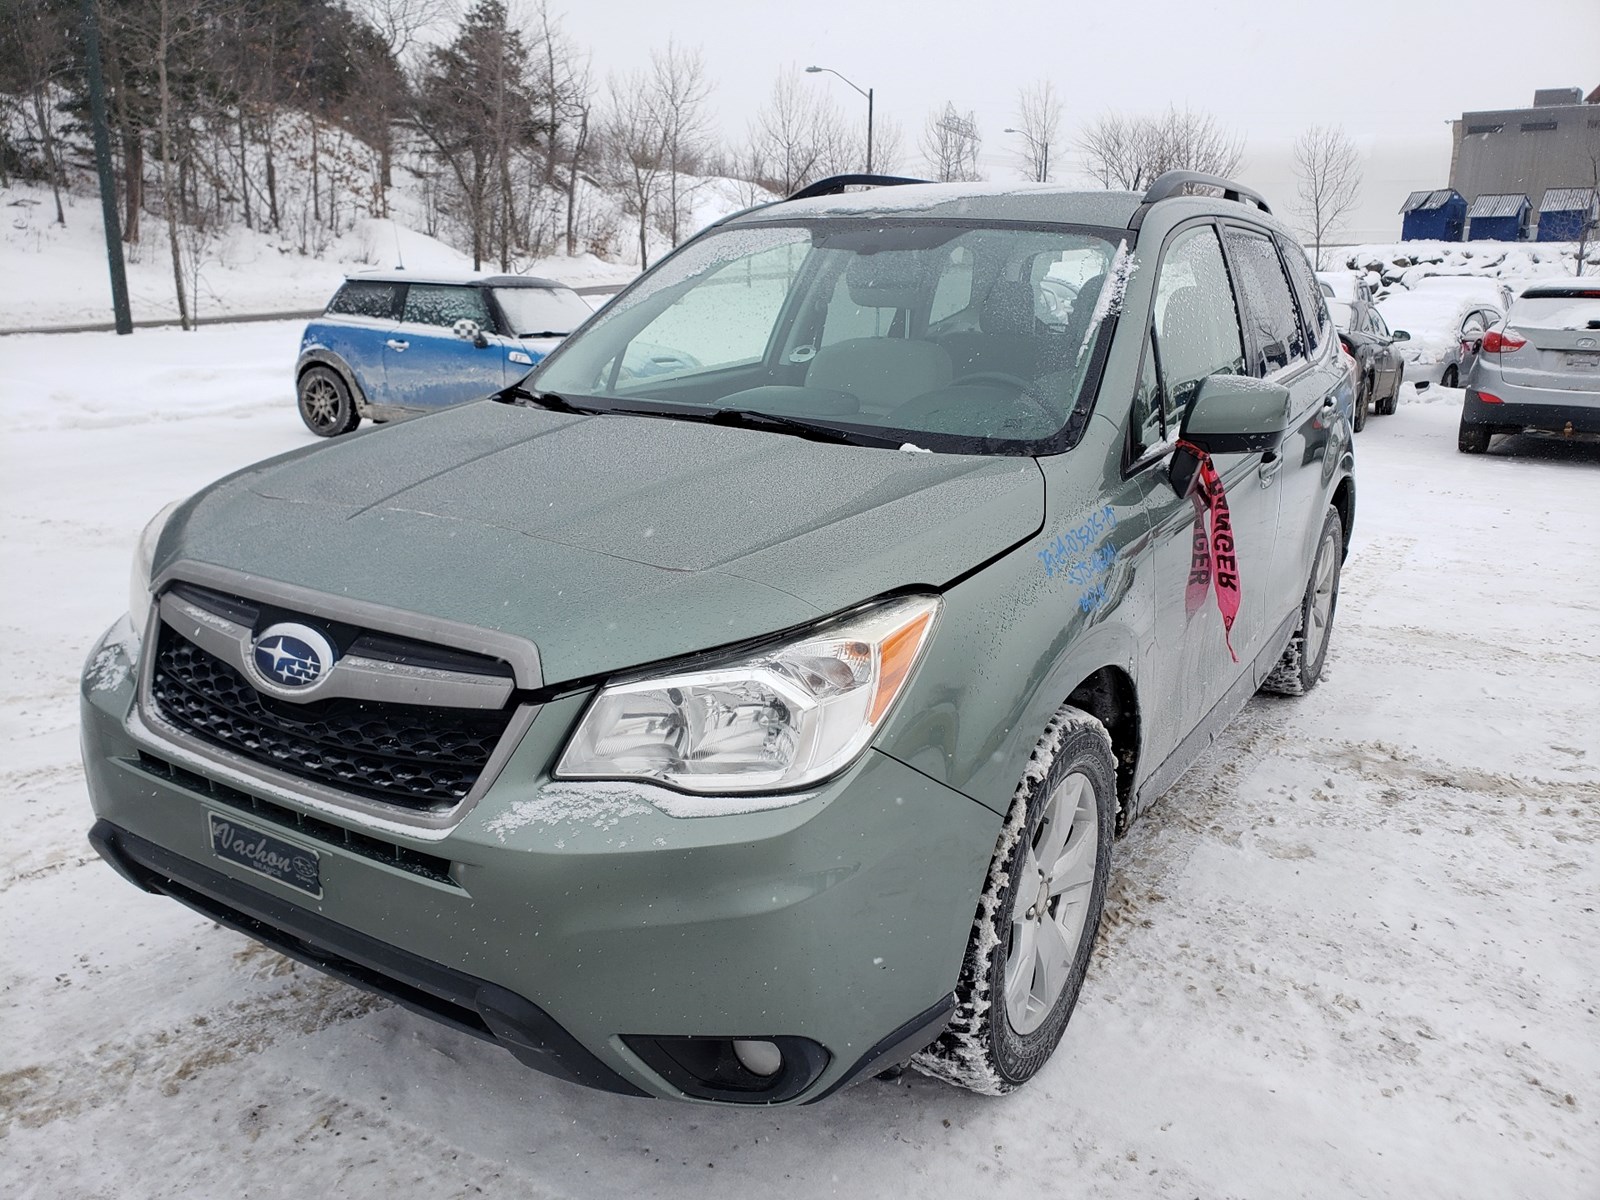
<point>397,344</point>
<point>1329,403</point>
<point>1271,464</point>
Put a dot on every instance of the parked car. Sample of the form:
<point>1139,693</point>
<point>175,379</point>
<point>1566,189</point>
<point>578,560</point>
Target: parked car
<point>738,732</point>
<point>1380,367</point>
<point>1349,295</point>
<point>1538,369</point>
<point>1445,330</point>
<point>393,344</point>
<point>1492,293</point>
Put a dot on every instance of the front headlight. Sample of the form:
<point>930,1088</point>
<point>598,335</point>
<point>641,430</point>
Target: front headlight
<point>144,553</point>
<point>776,720</point>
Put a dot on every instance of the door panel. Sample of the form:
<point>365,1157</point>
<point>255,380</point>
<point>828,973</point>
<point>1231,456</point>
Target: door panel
<point>426,365</point>
<point>1196,333</point>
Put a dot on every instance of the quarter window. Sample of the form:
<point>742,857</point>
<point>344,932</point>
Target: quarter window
<point>365,298</point>
<point>1196,324</point>
<point>1269,308</point>
<point>444,304</point>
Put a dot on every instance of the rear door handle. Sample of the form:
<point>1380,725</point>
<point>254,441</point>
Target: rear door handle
<point>397,344</point>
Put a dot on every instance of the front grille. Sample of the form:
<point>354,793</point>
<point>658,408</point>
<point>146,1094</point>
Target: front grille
<point>416,757</point>
<point>429,866</point>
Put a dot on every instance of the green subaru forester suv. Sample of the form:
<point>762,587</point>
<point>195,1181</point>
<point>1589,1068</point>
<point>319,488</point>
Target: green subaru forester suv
<point>747,701</point>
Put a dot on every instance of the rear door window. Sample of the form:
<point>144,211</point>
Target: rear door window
<point>1274,328</point>
<point>365,298</point>
<point>444,304</point>
<point>1313,312</point>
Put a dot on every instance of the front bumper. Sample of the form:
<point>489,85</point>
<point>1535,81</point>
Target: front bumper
<point>565,921</point>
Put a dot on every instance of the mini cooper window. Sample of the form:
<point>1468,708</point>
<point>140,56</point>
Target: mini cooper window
<point>365,298</point>
<point>442,304</point>
<point>882,332</point>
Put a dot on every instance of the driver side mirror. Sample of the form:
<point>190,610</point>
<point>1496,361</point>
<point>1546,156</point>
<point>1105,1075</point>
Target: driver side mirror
<point>1231,414</point>
<point>1399,335</point>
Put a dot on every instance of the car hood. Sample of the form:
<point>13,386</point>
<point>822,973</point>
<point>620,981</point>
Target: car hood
<point>608,541</point>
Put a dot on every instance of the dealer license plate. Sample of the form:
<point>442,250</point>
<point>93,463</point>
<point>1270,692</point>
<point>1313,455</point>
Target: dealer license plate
<point>265,854</point>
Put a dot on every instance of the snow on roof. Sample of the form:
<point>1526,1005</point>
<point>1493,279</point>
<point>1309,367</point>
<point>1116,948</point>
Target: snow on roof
<point>1497,205</point>
<point>1427,201</point>
<point>1573,199</point>
<point>451,277</point>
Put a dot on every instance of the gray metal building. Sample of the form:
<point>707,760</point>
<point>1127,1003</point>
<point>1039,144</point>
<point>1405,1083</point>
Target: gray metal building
<point>1527,151</point>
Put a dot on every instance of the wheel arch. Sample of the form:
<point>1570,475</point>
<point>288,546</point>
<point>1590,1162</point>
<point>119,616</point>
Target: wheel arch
<point>1110,696</point>
<point>318,356</point>
<point>1344,502</point>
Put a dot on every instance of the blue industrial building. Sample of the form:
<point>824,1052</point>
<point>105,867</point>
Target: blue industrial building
<point>1498,217</point>
<point>1439,216</point>
<point>1563,212</point>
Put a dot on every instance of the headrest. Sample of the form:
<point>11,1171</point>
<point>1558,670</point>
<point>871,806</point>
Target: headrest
<point>887,279</point>
<point>1008,308</point>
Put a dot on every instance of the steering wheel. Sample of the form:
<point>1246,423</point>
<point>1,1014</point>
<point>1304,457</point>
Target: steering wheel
<point>1025,389</point>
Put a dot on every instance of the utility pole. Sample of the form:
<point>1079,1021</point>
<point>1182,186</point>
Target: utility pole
<point>102,162</point>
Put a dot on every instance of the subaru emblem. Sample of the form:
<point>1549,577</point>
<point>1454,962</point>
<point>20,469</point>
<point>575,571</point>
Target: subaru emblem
<point>292,656</point>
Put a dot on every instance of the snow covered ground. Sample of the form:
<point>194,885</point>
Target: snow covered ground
<point>1353,952</point>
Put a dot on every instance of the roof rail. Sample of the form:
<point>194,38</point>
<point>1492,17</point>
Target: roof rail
<point>834,185</point>
<point>1179,183</point>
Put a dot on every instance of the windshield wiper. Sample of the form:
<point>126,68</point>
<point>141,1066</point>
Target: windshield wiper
<point>749,418</point>
<point>517,394</point>
<point>540,333</point>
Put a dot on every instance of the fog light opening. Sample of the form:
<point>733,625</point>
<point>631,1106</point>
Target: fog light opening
<point>758,1057</point>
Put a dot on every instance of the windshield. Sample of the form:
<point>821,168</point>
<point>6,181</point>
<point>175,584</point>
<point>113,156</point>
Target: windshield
<point>1556,312</point>
<point>540,311</point>
<point>1341,314</point>
<point>951,336</point>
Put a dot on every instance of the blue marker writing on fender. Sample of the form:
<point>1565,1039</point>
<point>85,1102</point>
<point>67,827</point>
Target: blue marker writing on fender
<point>1061,553</point>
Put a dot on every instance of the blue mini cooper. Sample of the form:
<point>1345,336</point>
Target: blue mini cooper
<point>393,344</point>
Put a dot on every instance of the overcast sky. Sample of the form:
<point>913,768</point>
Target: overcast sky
<point>1392,72</point>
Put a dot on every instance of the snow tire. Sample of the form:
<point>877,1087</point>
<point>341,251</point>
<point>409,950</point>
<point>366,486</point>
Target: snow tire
<point>981,1050</point>
<point>1300,667</point>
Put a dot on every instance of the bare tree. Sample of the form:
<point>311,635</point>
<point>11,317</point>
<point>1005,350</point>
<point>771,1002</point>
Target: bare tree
<point>636,142</point>
<point>1039,124</point>
<point>888,146</point>
<point>1329,181</point>
<point>1589,223</point>
<point>1130,152</point>
<point>950,143</point>
<point>681,86</point>
<point>797,136</point>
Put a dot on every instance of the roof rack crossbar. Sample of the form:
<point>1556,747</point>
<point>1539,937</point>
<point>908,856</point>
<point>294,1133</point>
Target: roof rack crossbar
<point>835,185</point>
<point>1178,183</point>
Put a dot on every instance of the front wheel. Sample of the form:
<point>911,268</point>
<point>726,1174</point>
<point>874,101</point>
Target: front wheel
<point>1387,407</point>
<point>1300,667</point>
<point>1038,914</point>
<point>326,405</point>
<point>1363,397</point>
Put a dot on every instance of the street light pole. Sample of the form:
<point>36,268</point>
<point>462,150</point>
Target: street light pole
<point>1042,154</point>
<point>867,92</point>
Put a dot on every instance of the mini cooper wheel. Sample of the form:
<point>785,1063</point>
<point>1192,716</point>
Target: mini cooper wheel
<point>1038,914</point>
<point>1391,402</point>
<point>326,405</point>
<point>1300,667</point>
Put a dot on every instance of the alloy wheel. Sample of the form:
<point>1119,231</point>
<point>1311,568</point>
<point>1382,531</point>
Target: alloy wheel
<point>1051,900</point>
